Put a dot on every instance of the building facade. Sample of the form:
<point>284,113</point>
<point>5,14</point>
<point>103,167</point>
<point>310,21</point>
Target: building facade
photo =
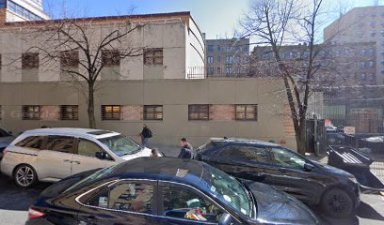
<point>23,10</point>
<point>158,87</point>
<point>227,57</point>
<point>345,74</point>
<point>362,24</point>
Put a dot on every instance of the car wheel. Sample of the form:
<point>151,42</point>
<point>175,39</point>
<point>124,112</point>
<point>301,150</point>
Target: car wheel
<point>337,203</point>
<point>24,176</point>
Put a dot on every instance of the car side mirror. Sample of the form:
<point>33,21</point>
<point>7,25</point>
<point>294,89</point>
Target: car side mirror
<point>308,167</point>
<point>101,155</point>
<point>225,219</point>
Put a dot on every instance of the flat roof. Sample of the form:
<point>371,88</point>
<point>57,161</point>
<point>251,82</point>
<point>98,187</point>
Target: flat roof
<point>103,18</point>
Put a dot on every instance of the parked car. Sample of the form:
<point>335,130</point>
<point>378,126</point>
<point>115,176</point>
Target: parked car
<point>54,153</point>
<point>5,139</point>
<point>164,191</point>
<point>335,190</point>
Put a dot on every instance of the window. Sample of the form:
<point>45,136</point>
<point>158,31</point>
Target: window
<point>228,70</point>
<point>210,59</point>
<point>110,57</point>
<point>246,112</point>
<point>69,112</point>
<point>110,112</point>
<point>229,59</point>
<point>31,112</point>
<point>60,144</point>
<point>198,112</point>
<point>126,196</point>
<point>153,56</point>
<point>88,148</point>
<point>30,60</point>
<point>211,70</point>
<point>284,157</point>
<point>2,4</point>
<point>153,112</point>
<point>245,154</point>
<point>210,48</point>
<point>31,142</point>
<point>16,8</point>
<point>69,59</point>
<point>188,204</point>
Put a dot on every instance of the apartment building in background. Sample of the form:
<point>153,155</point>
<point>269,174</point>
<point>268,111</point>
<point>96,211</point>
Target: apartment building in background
<point>362,24</point>
<point>227,57</point>
<point>22,10</point>
<point>159,87</point>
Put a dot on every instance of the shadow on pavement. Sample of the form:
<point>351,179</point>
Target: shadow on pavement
<point>366,211</point>
<point>13,197</point>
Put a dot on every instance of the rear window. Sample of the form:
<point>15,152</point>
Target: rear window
<point>35,142</point>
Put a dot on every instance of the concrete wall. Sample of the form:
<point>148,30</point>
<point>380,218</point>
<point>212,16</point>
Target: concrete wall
<point>175,95</point>
<point>179,38</point>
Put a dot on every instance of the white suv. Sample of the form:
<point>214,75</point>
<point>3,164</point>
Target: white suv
<point>51,154</point>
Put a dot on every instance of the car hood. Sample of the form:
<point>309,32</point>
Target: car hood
<point>277,207</point>
<point>144,152</point>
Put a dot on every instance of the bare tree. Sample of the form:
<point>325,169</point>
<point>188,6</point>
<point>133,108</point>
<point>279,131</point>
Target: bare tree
<point>278,22</point>
<point>84,48</point>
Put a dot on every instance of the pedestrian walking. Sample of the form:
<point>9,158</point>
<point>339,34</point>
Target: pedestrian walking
<point>186,151</point>
<point>145,135</point>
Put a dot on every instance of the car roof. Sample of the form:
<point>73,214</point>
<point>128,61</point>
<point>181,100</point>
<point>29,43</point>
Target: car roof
<point>69,131</point>
<point>164,168</point>
<point>243,141</point>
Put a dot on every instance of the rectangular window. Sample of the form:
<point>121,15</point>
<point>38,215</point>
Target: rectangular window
<point>110,57</point>
<point>229,59</point>
<point>69,59</point>
<point>210,48</point>
<point>153,112</point>
<point>153,56</point>
<point>198,112</point>
<point>246,112</point>
<point>210,59</point>
<point>31,112</point>
<point>110,112</point>
<point>2,4</point>
<point>69,112</point>
<point>30,60</point>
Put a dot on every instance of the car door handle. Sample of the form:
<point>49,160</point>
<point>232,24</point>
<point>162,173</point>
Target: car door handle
<point>77,162</point>
<point>67,160</point>
<point>282,170</point>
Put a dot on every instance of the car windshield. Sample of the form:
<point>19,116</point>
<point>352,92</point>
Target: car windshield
<point>229,190</point>
<point>121,145</point>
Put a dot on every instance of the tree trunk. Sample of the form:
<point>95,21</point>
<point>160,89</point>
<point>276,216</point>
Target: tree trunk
<point>91,106</point>
<point>301,139</point>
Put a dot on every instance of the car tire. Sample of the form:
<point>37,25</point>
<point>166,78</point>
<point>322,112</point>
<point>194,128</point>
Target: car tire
<point>337,203</point>
<point>24,176</point>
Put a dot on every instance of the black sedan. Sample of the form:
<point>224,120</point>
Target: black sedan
<point>164,191</point>
<point>335,190</point>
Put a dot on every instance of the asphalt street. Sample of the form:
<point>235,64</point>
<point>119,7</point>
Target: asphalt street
<point>14,203</point>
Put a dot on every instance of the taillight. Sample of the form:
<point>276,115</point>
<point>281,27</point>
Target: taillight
<point>34,214</point>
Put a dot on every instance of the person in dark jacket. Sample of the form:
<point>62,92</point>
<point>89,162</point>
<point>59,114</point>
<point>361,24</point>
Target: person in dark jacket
<point>186,151</point>
<point>145,135</point>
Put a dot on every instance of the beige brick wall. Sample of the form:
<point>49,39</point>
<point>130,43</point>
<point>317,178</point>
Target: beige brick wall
<point>50,113</point>
<point>222,112</point>
<point>132,112</point>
